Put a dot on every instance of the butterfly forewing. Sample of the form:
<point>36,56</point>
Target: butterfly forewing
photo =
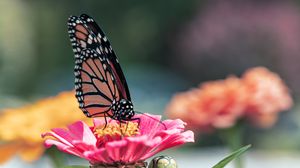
<point>78,35</point>
<point>102,45</point>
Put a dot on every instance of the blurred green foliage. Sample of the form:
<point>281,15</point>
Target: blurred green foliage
<point>36,56</point>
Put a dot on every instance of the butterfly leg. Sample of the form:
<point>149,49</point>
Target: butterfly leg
<point>126,126</point>
<point>105,115</point>
<point>136,119</point>
<point>105,121</point>
<point>120,123</point>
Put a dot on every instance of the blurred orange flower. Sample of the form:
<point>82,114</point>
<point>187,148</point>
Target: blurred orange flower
<point>259,95</point>
<point>21,128</point>
<point>267,96</point>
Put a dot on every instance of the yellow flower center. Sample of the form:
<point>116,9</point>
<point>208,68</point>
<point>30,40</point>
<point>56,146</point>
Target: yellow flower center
<point>113,129</point>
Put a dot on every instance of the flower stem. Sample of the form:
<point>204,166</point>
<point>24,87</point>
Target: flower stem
<point>233,137</point>
<point>56,157</point>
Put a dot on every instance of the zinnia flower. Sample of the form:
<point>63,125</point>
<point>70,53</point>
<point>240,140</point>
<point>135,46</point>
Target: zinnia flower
<point>216,104</point>
<point>268,95</point>
<point>125,144</point>
<point>258,96</point>
<point>20,128</point>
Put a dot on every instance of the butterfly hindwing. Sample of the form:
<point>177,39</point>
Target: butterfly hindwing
<point>95,84</point>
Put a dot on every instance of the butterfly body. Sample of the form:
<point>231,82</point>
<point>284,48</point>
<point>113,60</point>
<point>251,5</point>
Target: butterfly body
<point>101,88</point>
<point>122,110</point>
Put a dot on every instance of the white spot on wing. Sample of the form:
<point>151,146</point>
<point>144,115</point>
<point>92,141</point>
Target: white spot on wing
<point>89,41</point>
<point>104,39</point>
<point>98,50</point>
<point>83,44</point>
<point>98,39</point>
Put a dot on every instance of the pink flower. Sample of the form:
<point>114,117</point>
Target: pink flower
<point>259,96</point>
<point>128,143</point>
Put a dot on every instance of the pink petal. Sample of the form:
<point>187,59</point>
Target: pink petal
<point>149,123</point>
<point>175,140</point>
<point>60,135</point>
<point>98,122</point>
<point>135,147</point>
<point>189,136</point>
<point>148,148</point>
<point>101,122</point>
<point>139,146</point>
<point>98,156</point>
<point>81,146</point>
<point>81,131</point>
<point>116,150</point>
<point>174,124</point>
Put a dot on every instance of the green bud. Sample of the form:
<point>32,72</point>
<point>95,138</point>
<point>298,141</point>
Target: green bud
<point>163,162</point>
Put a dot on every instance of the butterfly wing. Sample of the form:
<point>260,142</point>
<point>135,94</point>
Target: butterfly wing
<point>95,84</point>
<point>85,33</point>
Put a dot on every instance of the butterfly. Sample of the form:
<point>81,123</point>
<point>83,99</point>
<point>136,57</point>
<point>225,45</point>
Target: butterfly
<point>101,88</point>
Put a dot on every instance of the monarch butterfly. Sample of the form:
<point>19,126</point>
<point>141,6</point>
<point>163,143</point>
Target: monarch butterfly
<point>101,88</point>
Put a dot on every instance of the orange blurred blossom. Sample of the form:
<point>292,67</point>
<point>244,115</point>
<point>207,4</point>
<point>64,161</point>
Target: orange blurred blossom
<point>21,128</point>
<point>216,104</point>
<point>258,96</point>
<point>268,95</point>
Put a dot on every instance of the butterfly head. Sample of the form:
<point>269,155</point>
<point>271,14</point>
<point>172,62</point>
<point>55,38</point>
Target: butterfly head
<point>122,110</point>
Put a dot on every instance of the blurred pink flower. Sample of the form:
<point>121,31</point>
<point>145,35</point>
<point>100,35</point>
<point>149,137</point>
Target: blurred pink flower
<point>119,145</point>
<point>258,96</point>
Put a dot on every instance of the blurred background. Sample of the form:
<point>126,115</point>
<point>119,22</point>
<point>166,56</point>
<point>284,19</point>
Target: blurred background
<point>164,47</point>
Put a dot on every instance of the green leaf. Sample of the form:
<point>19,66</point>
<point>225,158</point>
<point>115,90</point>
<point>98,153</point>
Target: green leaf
<point>56,156</point>
<point>232,156</point>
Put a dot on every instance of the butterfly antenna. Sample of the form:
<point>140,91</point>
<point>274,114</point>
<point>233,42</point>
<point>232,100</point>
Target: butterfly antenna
<point>159,121</point>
